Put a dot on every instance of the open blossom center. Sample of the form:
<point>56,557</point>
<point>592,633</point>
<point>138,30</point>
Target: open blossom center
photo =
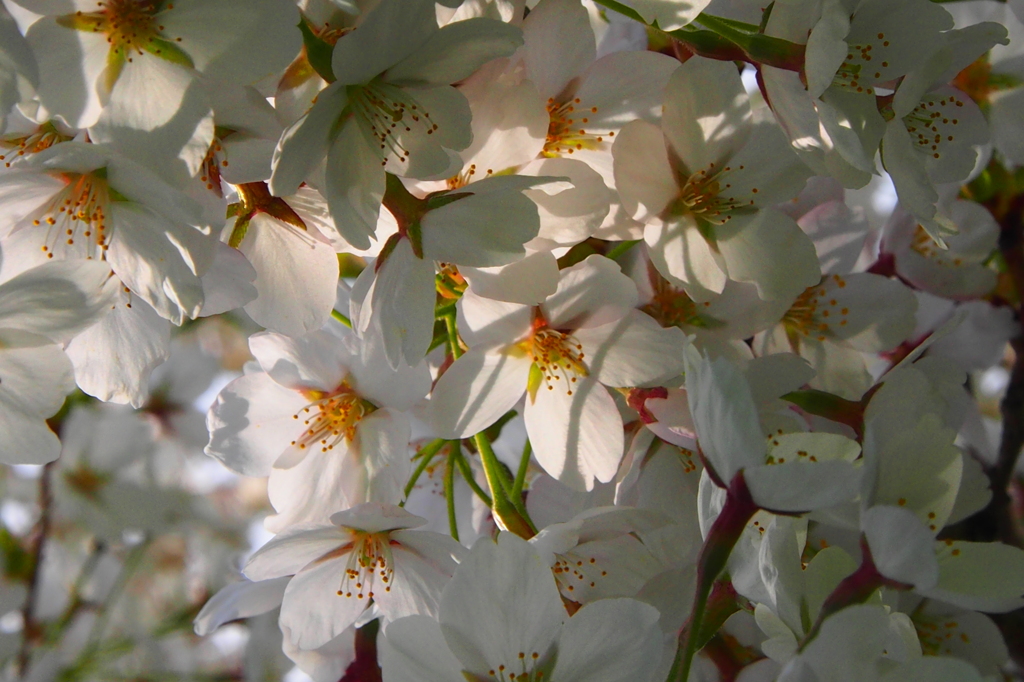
<point>672,307</point>
<point>558,356</point>
<point>703,195</point>
<point>75,218</point>
<point>924,245</point>
<point>521,670</point>
<point>568,128</point>
<point>369,561</point>
<point>330,419</point>
<point>815,312</point>
<point>129,25</point>
<point>392,118</point>
<point>19,146</point>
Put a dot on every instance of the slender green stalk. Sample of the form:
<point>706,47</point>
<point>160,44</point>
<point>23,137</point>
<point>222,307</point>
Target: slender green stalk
<point>341,318</point>
<point>453,335</point>
<point>449,494</point>
<point>524,464</point>
<point>467,475</point>
<point>426,454</point>
<point>512,516</point>
<point>621,248</point>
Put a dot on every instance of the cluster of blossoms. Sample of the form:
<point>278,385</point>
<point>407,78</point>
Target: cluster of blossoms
<point>567,357</point>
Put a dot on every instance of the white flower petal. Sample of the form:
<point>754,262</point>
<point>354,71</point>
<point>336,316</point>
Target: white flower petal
<point>576,438</point>
<point>476,390</point>
<point>611,640</point>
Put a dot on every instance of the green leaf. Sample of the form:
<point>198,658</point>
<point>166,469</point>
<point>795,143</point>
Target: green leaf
<point>168,51</point>
<point>318,52</point>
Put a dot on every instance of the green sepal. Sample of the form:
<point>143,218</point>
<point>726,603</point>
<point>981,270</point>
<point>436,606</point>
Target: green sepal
<point>318,52</point>
<point>238,231</point>
<point>493,432</point>
<point>534,381</point>
<point>168,51</point>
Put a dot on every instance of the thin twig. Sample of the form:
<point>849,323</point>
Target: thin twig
<point>31,630</point>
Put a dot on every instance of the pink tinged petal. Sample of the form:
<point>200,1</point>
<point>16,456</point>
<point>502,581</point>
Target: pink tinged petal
<point>239,600</point>
<point>292,549</point>
<point>316,487</point>
<point>569,217</point>
<point>980,576</point>
<point>576,438</point>
<point>880,311</point>
<point>670,14</point>
<point>316,360</point>
<point>590,293</point>
<point>635,351</point>
<point>914,466</point>
<point>707,113</point>
<point>724,414</point>
<point>500,577</point>
<point>296,276</point>
<point>526,282</point>
<point>770,251</point>
<point>429,156</point>
<point>374,517</point>
<point>675,424</point>
<point>381,449</point>
<point>826,47</point>
<point>907,169</point>
<point>455,52</point>
<point>58,299</point>
<point>374,379</point>
<point>551,61</point>
<point>609,641</point>
<point>227,285</point>
<point>402,305</point>
<point>328,662</point>
<point>838,233</point>
<point>681,253</point>
<point>144,254</point>
<point>305,142</point>
<point>934,669</point>
<point>252,422</point>
<point>802,486</point>
<point>415,651</point>
<point>71,64</point>
<point>485,229</point>
<point>643,175</point>
<point>22,194</point>
<point>510,122</point>
<point>392,31</point>
<point>765,171</point>
<point>312,609</point>
<point>487,322</point>
<point>262,40</point>
<point>476,390</point>
<point>424,563</point>
<point>33,383</point>
<point>624,86</point>
<point>771,376</point>
<point>159,115</point>
<point>901,547</point>
<point>354,186</point>
<point>113,359</point>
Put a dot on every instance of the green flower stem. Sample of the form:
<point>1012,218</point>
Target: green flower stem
<point>725,532</point>
<point>449,494</point>
<point>425,454</point>
<point>524,465</point>
<point>453,334</point>
<point>727,40</point>
<point>341,318</point>
<point>512,516</point>
<point>855,588</point>
<point>467,475</point>
<point>621,248</point>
